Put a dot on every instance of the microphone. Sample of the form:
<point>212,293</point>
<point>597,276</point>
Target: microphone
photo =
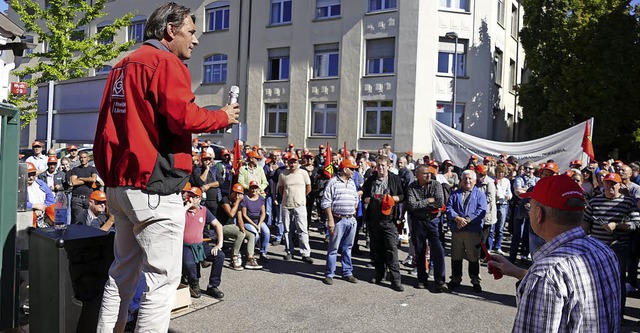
<point>234,92</point>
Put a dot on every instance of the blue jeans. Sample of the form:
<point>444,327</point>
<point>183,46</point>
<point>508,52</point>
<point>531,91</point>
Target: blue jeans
<point>503,210</point>
<point>520,237</point>
<point>262,238</point>
<point>426,233</point>
<point>341,240</point>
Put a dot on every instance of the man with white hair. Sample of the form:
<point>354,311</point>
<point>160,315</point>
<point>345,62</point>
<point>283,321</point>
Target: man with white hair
<point>466,209</point>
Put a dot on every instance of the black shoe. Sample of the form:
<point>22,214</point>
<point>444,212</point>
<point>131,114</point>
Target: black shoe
<point>477,287</point>
<point>376,281</point>
<point>214,292</point>
<point>350,278</point>
<point>453,285</point>
<point>397,287</point>
<point>421,285</point>
<point>369,265</point>
<point>441,288</point>
<point>194,290</point>
<point>275,243</point>
<point>308,260</point>
<point>205,264</point>
<point>327,280</point>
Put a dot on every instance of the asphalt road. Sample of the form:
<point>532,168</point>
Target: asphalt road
<point>289,296</point>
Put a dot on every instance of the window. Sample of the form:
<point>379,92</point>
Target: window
<point>512,75</point>
<point>278,64</point>
<point>326,60</point>
<point>101,27</point>
<point>104,70</point>
<point>276,123</point>
<point>215,69</point>
<point>325,118</point>
<point>136,29</point>
<point>444,114</point>
<point>497,67</point>
<point>280,11</point>
<point>381,55</point>
<point>501,12</point>
<point>77,35</point>
<point>28,39</point>
<point>446,62</point>
<point>458,5</point>
<point>217,16</point>
<point>514,21</point>
<point>375,5</point>
<point>378,118</point>
<point>327,8</point>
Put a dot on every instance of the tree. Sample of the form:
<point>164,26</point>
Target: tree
<point>62,25</point>
<point>582,55</point>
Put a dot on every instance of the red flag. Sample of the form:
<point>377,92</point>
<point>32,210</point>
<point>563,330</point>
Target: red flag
<point>237,161</point>
<point>345,151</point>
<point>328,167</point>
<point>587,144</point>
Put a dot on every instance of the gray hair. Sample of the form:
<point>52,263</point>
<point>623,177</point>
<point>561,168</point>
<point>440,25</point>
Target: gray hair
<point>470,173</point>
<point>170,12</point>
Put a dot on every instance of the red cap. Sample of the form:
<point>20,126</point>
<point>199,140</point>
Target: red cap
<point>612,177</point>
<point>347,164</point>
<point>433,163</point>
<point>487,158</point>
<point>72,147</point>
<point>195,191</point>
<point>237,188</point>
<point>194,140</point>
<point>98,196</point>
<point>225,152</point>
<point>205,155</point>
<point>31,167</point>
<point>321,146</point>
<point>433,170</point>
<point>387,204</point>
<point>448,162</point>
<point>292,157</point>
<point>550,166</point>
<point>578,162</point>
<point>52,160</point>
<point>410,153</point>
<point>252,154</point>
<point>286,156</point>
<point>204,144</point>
<point>253,183</point>
<point>473,157</point>
<point>36,144</point>
<point>481,169</point>
<point>554,191</point>
<point>256,147</point>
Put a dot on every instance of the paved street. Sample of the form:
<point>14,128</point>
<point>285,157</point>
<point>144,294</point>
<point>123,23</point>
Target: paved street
<point>290,297</point>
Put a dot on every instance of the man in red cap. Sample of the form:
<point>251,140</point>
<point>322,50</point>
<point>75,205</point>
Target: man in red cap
<point>38,158</point>
<point>96,215</point>
<point>573,283</point>
<point>204,177</point>
<point>340,203</point>
<point>612,217</point>
<point>54,179</point>
<point>74,158</point>
<point>381,193</point>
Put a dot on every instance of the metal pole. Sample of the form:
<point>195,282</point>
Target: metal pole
<point>455,81</point>
<point>49,115</point>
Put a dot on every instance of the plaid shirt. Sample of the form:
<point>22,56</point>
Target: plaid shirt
<point>573,286</point>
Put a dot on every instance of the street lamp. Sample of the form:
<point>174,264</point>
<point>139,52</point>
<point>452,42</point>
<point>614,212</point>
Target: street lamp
<point>454,36</point>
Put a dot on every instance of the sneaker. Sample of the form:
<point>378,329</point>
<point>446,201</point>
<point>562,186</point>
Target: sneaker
<point>441,288</point>
<point>502,253</point>
<point>350,278</point>
<point>408,261</point>
<point>252,264</point>
<point>287,256</point>
<point>205,264</point>
<point>307,259</point>
<point>327,280</point>
<point>194,290</point>
<point>477,287</point>
<point>214,292</point>
<point>236,264</point>
<point>263,257</point>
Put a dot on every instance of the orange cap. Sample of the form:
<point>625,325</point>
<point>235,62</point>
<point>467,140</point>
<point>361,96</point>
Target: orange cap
<point>578,162</point>
<point>205,155</point>
<point>36,144</point>
<point>238,188</point>
<point>481,169</point>
<point>253,183</point>
<point>252,154</point>
<point>256,147</point>
<point>347,164</point>
<point>225,152</point>
<point>195,191</point>
<point>387,204</point>
<point>187,187</point>
<point>433,170</point>
<point>52,160</point>
<point>98,196</point>
<point>612,177</point>
<point>31,168</point>
<point>551,166</point>
<point>72,147</point>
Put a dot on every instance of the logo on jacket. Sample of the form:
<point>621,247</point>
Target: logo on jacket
<point>118,104</point>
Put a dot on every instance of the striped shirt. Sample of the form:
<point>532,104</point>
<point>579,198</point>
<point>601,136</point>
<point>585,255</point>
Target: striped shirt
<point>573,286</point>
<point>341,196</point>
<point>601,210</point>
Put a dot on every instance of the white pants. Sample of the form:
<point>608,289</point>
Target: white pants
<point>149,231</point>
<point>295,220</point>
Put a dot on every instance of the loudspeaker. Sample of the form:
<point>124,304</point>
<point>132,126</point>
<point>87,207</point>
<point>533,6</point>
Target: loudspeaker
<point>68,270</point>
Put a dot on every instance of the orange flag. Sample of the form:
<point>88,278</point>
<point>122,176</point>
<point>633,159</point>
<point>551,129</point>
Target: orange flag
<point>587,144</point>
<point>328,167</point>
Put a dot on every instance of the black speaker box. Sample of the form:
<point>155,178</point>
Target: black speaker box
<point>67,272</point>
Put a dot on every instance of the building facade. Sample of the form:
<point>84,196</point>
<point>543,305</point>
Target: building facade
<point>364,72</point>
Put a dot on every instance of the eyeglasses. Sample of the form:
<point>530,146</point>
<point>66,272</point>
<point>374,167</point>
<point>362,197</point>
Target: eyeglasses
<point>100,202</point>
<point>528,168</point>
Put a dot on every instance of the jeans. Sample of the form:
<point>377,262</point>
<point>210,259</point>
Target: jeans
<point>263,237</point>
<point>191,268</point>
<point>149,230</point>
<point>77,206</point>
<point>295,220</point>
<point>276,219</point>
<point>341,241</point>
<point>503,210</point>
<point>423,232</point>
<point>520,236</point>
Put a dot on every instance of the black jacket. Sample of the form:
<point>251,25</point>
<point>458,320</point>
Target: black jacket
<point>374,210</point>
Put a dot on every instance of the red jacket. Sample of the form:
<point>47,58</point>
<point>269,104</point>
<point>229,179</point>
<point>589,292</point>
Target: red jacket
<point>147,115</point>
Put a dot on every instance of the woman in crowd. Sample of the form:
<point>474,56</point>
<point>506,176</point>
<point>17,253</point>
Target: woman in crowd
<point>253,215</point>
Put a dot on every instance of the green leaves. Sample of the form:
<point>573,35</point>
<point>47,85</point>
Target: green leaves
<point>582,55</point>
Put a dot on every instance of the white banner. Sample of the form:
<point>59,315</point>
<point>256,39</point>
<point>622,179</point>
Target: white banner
<point>562,147</point>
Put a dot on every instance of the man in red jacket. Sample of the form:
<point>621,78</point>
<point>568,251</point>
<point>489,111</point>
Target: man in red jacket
<point>142,151</point>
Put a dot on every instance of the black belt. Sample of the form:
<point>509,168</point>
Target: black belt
<point>81,196</point>
<point>335,216</point>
